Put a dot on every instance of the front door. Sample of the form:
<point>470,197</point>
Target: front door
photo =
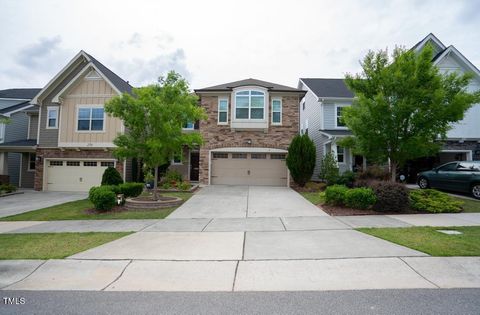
<point>194,166</point>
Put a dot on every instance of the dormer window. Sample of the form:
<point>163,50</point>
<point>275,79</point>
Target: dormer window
<point>250,105</point>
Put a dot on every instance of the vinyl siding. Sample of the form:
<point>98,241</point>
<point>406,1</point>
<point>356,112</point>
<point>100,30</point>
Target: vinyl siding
<point>17,128</point>
<point>28,177</point>
<point>329,116</point>
<point>14,167</point>
<point>33,127</point>
<point>49,137</point>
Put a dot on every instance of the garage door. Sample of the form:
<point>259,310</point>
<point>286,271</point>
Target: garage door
<point>263,169</point>
<point>75,175</point>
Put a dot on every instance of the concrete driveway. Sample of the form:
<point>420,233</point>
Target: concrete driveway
<point>220,201</point>
<point>34,200</point>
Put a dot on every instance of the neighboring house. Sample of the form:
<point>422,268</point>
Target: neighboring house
<point>18,137</point>
<point>246,136</point>
<point>321,109</point>
<point>75,135</point>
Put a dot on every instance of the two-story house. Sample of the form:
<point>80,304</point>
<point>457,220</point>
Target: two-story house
<point>246,136</point>
<point>321,111</point>
<point>18,137</point>
<point>74,134</point>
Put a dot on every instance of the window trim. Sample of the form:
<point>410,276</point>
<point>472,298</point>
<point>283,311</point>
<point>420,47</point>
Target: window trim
<point>49,109</point>
<point>192,128</point>
<point>336,117</point>
<point>281,111</point>
<point>2,132</point>
<point>219,111</point>
<point>181,159</point>
<point>30,161</point>
<point>343,153</point>
<point>250,89</point>
<point>90,107</point>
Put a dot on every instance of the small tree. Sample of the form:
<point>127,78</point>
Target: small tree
<point>403,106</point>
<point>153,117</point>
<point>301,159</point>
<point>111,177</point>
<point>329,172</point>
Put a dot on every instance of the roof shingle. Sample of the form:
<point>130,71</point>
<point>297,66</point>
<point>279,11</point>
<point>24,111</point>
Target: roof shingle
<point>328,87</point>
<point>247,82</point>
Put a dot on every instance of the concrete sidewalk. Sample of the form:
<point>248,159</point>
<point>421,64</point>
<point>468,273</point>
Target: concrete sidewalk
<point>263,275</point>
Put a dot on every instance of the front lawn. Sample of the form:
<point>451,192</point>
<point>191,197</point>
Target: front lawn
<point>469,205</point>
<point>314,197</point>
<point>79,210</point>
<point>428,240</point>
<point>51,245</point>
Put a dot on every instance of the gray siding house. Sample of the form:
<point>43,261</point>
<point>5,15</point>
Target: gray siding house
<point>18,137</point>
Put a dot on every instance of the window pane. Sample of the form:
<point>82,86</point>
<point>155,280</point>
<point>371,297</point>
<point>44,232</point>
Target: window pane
<point>242,102</point>
<point>340,158</point>
<point>243,93</point>
<point>257,93</point>
<point>256,113</point>
<point>222,117</point>
<point>217,155</point>
<point>84,125</point>
<point>97,124</point>
<point>188,125</point>
<point>257,101</point>
<point>242,113</point>
<point>276,117</point>
<point>52,113</point>
<point>223,105</point>
<point>51,122</point>
<point>449,167</point>
<point>339,117</point>
<point>276,106</point>
<point>259,156</point>
<point>84,113</point>
<point>97,113</point>
<point>339,149</point>
<point>239,155</point>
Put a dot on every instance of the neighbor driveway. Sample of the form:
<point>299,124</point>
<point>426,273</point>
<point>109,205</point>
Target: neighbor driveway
<point>33,200</point>
<point>219,201</point>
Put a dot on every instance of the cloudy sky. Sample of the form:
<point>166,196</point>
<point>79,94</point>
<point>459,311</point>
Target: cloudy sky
<point>212,42</point>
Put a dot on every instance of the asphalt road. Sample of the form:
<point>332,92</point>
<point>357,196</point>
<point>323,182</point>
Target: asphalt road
<point>418,301</point>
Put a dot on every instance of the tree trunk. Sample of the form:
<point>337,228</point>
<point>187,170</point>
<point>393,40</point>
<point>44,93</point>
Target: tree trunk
<point>155,184</point>
<point>393,171</point>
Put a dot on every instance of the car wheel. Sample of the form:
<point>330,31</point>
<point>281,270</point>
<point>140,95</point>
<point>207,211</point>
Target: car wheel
<point>423,183</point>
<point>476,191</point>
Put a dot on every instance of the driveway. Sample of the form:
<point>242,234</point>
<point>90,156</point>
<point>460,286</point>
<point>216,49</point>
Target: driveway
<point>220,201</point>
<point>34,200</point>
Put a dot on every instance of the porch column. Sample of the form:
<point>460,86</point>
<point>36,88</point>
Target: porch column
<point>3,163</point>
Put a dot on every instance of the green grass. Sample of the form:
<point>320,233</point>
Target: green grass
<point>51,245</point>
<point>428,240</point>
<point>469,205</point>
<point>76,210</point>
<point>314,197</point>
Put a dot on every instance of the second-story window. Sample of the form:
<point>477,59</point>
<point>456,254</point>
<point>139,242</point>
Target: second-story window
<point>52,117</point>
<point>277,111</point>
<point>90,118</point>
<point>222,111</point>
<point>189,126</point>
<point>250,105</point>
<point>338,114</point>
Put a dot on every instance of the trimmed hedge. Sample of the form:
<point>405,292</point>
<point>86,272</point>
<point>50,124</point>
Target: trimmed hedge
<point>335,195</point>
<point>131,189</point>
<point>8,188</point>
<point>359,198</point>
<point>390,196</point>
<point>103,198</point>
<point>111,177</point>
<point>434,201</point>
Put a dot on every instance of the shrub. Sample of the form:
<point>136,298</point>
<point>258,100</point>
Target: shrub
<point>131,189</point>
<point>347,179</point>
<point>328,169</point>
<point>390,196</point>
<point>183,185</point>
<point>166,185</point>
<point>432,200</point>
<point>115,188</point>
<point>173,177</point>
<point>301,159</point>
<point>375,172</point>
<point>360,198</point>
<point>8,188</point>
<point>111,177</point>
<point>103,198</point>
<point>335,195</point>
<point>315,186</point>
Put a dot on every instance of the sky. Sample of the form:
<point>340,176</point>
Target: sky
<point>213,42</point>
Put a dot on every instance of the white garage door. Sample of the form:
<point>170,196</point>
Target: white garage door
<point>69,175</point>
<point>262,169</point>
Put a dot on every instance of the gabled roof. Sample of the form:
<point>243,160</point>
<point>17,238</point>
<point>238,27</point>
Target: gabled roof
<point>432,39</point>
<point>328,88</point>
<point>20,143</point>
<point>273,87</point>
<point>118,83</point>
<point>15,107</point>
<point>21,94</point>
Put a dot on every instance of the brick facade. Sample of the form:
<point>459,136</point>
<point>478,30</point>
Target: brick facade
<point>71,154</point>
<point>222,136</point>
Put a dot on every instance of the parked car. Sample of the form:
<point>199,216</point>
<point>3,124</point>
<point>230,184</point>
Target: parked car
<point>461,176</point>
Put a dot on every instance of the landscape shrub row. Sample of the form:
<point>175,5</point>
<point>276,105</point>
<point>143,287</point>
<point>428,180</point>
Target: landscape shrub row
<point>104,197</point>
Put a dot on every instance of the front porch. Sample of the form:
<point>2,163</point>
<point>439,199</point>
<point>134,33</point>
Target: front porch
<point>17,163</point>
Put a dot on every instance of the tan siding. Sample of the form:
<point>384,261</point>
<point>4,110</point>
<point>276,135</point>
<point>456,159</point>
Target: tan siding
<point>87,92</point>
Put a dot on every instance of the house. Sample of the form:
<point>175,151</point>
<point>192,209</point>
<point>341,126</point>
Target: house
<point>74,137</point>
<point>321,111</point>
<point>246,136</point>
<point>18,137</point>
